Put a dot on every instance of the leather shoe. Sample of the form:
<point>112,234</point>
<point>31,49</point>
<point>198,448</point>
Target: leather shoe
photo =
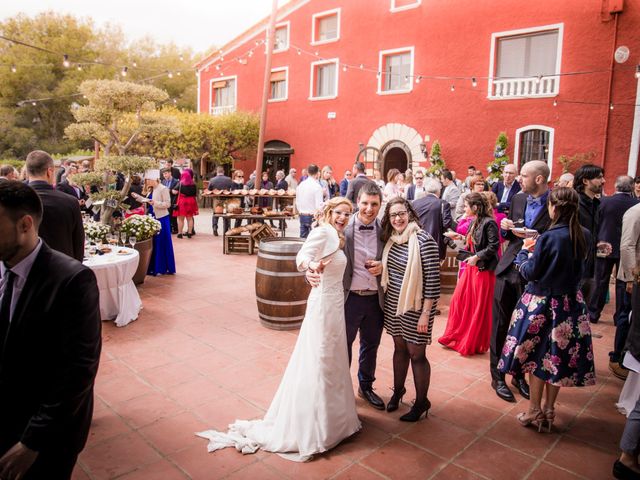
<point>618,370</point>
<point>502,390</point>
<point>622,472</point>
<point>371,397</point>
<point>522,386</point>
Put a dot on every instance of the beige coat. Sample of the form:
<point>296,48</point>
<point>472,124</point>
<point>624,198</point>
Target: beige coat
<point>630,245</point>
<point>161,201</point>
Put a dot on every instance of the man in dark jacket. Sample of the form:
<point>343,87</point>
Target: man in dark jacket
<point>61,226</point>
<point>588,182</point>
<point>507,188</point>
<point>219,182</point>
<point>434,215</point>
<point>50,344</point>
<point>528,209</point>
<point>356,184</point>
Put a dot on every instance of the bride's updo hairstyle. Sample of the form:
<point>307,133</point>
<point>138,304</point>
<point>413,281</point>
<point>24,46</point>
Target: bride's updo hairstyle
<point>329,207</point>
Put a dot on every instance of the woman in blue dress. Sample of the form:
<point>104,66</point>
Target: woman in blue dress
<point>550,337</point>
<point>162,258</point>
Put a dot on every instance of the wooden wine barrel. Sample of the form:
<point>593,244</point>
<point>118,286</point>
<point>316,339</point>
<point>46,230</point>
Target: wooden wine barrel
<point>449,272</point>
<point>281,290</point>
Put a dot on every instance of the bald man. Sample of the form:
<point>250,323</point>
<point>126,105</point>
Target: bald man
<point>528,209</point>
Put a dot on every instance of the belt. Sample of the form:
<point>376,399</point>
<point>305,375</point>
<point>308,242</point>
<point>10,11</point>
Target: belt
<point>364,293</point>
<point>307,214</point>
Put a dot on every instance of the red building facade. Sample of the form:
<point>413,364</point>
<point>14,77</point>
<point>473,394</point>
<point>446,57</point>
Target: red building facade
<point>560,78</point>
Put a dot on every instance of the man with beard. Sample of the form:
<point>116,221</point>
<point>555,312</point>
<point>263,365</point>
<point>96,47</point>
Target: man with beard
<point>50,344</point>
<point>588,182</point>
<point>364,297</point>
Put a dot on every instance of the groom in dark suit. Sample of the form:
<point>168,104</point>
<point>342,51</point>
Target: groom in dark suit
<point>49,345</point>
<point>528,209</point>
<point>364,300</point>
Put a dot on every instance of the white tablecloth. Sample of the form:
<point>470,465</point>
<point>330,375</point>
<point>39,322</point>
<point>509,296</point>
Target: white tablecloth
<point>119,297</point>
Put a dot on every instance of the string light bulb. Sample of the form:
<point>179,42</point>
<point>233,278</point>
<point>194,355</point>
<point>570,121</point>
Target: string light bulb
<point>218,67</point>
<point>453,88</point>
<point>124,71</point>
<point>79,67</point>
<point>178,73</point>
<point>611,106</point>
<point>299,52</point>
<point>33,103</point>
<point>135,64</point>
<point>250,53</point>
<point>361,66</point>
<point>537,79</point>
<point>474,82</point>
<point>169,74</point>
<point>13,69</point>
<point>65,61</point>
<point>378,74</point>
<point>637,71</point>
<point>181,58</point>
<point>418,78</point>
<point>344,68</point>
<point>555,102</point>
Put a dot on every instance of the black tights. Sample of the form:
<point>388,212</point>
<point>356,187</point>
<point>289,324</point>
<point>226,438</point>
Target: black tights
<point>403,353</point>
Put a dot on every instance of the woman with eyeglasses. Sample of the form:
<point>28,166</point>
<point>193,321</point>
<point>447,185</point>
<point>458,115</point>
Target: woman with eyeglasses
<point>314,407</point>
<point>238,184</point>
<point>411,280</point>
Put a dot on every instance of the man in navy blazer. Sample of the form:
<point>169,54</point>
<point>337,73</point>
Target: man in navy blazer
<point>528,209</point>
<point>507,188</point>
<point>612,209</point>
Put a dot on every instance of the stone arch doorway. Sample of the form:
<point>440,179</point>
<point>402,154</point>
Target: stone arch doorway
<point>277,156</point>
<point>395,154</point>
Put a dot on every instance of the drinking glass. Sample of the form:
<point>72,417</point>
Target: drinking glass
<point>123,238</point>
<point>132,241</point>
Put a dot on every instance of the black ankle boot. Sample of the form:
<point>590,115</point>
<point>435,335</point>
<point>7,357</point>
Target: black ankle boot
<point>416,412</point>
<point>395,399</point>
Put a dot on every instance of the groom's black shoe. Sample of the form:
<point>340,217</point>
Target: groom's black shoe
<point>522,386</point>
<point>371,397</point>
<point>502,390</point>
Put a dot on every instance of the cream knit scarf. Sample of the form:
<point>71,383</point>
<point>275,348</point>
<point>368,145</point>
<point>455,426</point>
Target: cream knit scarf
<point>410,297</point>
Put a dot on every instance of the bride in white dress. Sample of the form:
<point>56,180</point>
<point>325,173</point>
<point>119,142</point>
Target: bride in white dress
<point>314,408</point>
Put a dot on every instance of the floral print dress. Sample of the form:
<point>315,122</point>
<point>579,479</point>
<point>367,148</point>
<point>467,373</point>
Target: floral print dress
<point>549,335</point>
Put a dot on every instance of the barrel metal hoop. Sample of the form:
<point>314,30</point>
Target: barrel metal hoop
<point>280,319</point>
<point>274,257</point>
<point>279,274</point>
<point>277,303</point>
<point>280,247</point>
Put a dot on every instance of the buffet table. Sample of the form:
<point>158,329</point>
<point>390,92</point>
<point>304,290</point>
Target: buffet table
<point>227,217</point>
<point>119,299</point>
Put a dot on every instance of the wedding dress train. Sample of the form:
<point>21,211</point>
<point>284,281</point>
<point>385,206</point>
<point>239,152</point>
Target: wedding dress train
<point>314,407</point>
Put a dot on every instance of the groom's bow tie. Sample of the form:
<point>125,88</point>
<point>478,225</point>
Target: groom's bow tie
<point>365,227</point>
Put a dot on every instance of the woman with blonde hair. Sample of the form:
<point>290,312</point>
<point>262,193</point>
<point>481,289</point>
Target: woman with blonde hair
<point>411,280</point>
<point>314,408</point>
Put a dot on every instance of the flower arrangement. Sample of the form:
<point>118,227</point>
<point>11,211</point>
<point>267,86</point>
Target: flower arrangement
<point>436,160</point>
<point>500,159</point>
<point>142,227</point>
<point>96,232</point>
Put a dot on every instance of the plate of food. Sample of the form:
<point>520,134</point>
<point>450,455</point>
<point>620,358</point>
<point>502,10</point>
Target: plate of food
<point>291,191</point>
<point>105,249</point>
<point>253,191</point>
<point>281,191</point>
<point>244,191</point>
<point>236,192</point>
<point>124,252</point>
<point>226,192</point>
<point>217,192</point>
<point>272,192</point>
<point>263,191</point>
<point>527,232</point>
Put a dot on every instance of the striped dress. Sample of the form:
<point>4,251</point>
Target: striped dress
<point>406,325</point>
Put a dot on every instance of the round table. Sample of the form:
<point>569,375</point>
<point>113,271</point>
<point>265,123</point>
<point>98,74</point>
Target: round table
<point>119,297</point>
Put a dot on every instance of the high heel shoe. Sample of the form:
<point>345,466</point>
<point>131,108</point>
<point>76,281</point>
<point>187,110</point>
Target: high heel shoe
<point>395,399</point>
<point>416,412</point>
<point>189,235</point>
<point>549,417</point>
<point>533,417</point>
<point>179,235</point>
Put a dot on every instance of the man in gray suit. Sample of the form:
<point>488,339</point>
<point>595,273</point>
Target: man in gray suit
<point>364,297</point>
<point>434,214</point>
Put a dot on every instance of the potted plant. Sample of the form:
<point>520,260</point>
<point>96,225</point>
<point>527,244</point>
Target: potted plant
<point>500,159</point>
<point>143,228</point>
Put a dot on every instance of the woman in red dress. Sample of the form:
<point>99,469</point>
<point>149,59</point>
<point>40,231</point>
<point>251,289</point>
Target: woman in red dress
<point>187,205</point>
<point>468,328</point>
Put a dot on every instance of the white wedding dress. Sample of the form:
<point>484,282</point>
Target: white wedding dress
<point>314,407</point>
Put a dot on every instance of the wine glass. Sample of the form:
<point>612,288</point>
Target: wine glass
<point>123,238</point>
<point>112,239</point>
<point>132,241</point>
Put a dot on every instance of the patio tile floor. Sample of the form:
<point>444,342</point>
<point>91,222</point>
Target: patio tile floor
<point>198,358</point>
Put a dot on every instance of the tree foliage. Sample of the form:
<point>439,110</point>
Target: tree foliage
<point>500,158</point>
<point>95,53</point>
<point>117,113</point>
<point>216,139</point>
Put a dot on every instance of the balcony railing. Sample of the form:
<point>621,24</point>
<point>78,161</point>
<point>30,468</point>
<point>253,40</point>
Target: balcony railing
<point>221,110</point>
<point>524,87</point>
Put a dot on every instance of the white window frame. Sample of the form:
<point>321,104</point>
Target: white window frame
<point>516,151</point>
<point>313,79</point>
<point>402,8</point>
<point>326,13</point>
<point>525,31</point>
<point>381,57</point>
<point>286,88</point>
<point>235,97</point>
<point>286,24</point>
